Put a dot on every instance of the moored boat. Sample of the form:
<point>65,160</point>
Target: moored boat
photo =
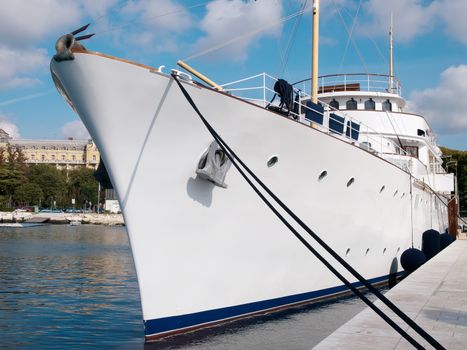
<point>349,161</point>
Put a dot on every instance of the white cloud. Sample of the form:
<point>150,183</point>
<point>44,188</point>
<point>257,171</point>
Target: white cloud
<point>18,67</point>
<point>76,130</point>
<point>453,13</point>
<point>8,126</point>
<point>411,18</point>
<point>155,15</point>
<point>226,20</point>
<point>23,22</point>
<point>444,106</point>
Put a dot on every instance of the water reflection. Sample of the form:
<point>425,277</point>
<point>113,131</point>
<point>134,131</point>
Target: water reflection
<point>75,287</point>
<point>64,285</point>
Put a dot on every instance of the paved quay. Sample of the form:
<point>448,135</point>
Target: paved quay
<point>435,296</point>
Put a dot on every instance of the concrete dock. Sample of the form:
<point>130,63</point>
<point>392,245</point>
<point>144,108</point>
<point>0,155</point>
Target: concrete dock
<point>435,296</point>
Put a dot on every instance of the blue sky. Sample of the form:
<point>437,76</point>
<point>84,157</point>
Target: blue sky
<point>430,53</point>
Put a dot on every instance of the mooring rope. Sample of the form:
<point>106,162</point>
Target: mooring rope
<point>234,158</point>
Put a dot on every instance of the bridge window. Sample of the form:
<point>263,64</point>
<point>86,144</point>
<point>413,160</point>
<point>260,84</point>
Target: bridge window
<point>420,132</point>
<point>411,151</point>
<point>334,104</point>
<point>351,104</point>
<point>370,105</point>
<point>387,105</point>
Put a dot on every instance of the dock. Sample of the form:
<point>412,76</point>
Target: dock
<point>434,296</point>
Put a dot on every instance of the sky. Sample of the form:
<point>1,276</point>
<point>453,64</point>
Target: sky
<point>430,50</point>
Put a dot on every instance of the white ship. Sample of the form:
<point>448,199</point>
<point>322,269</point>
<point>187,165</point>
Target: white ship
<point>361,172</point>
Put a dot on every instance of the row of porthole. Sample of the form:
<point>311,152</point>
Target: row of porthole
<point>368,250</point>
<point>274,159</point>
<point>324,173</point>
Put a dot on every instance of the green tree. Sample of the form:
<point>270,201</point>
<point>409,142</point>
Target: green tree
<point>28,193</point>
<point>82,186</point>
<point>51,181</point>
<point>457,161</point>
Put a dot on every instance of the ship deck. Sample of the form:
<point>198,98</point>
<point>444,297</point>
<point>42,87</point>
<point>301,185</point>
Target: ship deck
<point>435,296</point>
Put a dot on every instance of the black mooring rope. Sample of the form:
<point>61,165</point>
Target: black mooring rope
<point>232,156</point>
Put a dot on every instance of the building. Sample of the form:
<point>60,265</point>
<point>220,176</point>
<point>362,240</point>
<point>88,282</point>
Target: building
<point>64,154</point>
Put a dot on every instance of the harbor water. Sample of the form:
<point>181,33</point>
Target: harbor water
<point>75,287</point>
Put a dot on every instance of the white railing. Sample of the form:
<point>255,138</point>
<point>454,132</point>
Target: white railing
<point>257,89</point>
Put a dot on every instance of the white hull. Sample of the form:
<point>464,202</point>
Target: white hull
<point>205,253</point>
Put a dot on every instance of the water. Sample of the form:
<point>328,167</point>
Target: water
<point>75,287</point>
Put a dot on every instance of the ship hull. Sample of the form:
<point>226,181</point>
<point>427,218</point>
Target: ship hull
<point>206,254</point>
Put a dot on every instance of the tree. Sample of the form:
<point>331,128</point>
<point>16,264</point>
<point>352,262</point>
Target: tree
<point>28,193</point>
<point>460,168</point>
<point>82,185</point>
<point>51,181</point>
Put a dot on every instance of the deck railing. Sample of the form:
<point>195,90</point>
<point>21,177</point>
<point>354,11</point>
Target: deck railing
<point>257,89</point>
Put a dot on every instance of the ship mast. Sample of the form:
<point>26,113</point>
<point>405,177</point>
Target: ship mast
<point>314,53</point>
<point>391,73</point>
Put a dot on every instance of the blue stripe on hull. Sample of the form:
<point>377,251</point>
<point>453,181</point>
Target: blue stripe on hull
<point>174,323</point>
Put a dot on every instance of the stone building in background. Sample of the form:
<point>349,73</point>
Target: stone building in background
<point>64,154</point>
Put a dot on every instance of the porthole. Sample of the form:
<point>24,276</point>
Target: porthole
<point>403,195</point>
<point>367,251</point>
<point>272,161</point>
<point>323,174</point>
<point>395,193</point>
<point>347,251</point>
<point>350,182</point>
<point>398,249</point>
<point>382,188</point>
<point>384,250</point>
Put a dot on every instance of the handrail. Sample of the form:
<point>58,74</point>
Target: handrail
<point>369,139</point>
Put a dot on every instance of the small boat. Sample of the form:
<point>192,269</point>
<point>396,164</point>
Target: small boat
<point>75,223</point>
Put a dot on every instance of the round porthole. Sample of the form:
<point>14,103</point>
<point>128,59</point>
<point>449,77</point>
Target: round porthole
<point>272,161</point>
<point>350,182</point>
<point>323,174</point>
<point>403,195</point>
<point>395,193</point>
<point>367,251</point>
<point>347,251</point>
<point>384,250</point>
<point>382,189</point>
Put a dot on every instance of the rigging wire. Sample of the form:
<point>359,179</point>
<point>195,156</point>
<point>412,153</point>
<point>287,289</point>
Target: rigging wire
<point>240,37</point>
<point>174,12</point>
<point>285,56</point>
<point>362,60</point>
<point>354,21</point>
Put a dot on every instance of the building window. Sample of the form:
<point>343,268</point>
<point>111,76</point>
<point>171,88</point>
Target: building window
<point>63,157</point>
<point>33,156</point>
<point>351,104</point>
<point>73,157</point>
<point>43,157</point>
<point>370,105</point>
<point>94,158</point>
<point>53,156</point>
<point>387,105</point>
<point>334,104</point>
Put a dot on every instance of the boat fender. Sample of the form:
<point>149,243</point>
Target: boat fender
<point>412,259</point>
<point>430,243</point>
<point>445,239</point>
<point>213,165</point>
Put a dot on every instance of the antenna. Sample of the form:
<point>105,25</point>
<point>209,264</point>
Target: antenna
<point>391,72</point>
<point>314,53</point>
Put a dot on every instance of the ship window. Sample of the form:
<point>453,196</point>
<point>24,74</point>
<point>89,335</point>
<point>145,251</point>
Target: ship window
<point>351,104</point>
<point>334,104</point>
<point>411,151</point>
<point>420,132</point>
<point>387,105</point>
<point>370,105</point>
